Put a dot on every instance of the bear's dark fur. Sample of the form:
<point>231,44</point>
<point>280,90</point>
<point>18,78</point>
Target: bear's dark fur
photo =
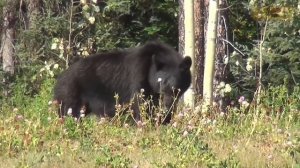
<point>94,81</point>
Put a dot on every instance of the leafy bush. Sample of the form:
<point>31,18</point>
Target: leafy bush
<point>279,50</point>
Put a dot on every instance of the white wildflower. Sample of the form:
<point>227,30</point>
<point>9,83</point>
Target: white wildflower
<point>208,121</point>
<point>83,2</point>
<point>126,125</point>
<point>227,88</point>
<point>214,122</point>
<point>249,60</point>
<point>222,114</point>
<point>61,54</point>
<point>61,45</point>
<point>237,63</point>
<point>85,53</point>
<point>69,111</point>
<point>226,59</point>
<point>222,84</point>
<point>214,104</point>
<point>270,157</point>
<point>234,53</point>
<point>289,143</point>
<point>92,20</point>
<point>47,67</point>
<point>85,7</point>
<point>102,120</point>
<point>53,46</point>
<point>55,40</point>
<point>51,73</point>
<point>185,133</point>
<point>249,67</point>
<point>174,124</point>
<point>55,66</point>
<point>245,103</point>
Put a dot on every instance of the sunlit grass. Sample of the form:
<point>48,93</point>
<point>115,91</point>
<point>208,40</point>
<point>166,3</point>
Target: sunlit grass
<point>31,135</point>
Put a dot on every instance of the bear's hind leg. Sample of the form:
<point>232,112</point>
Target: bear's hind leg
<point>101,108</point>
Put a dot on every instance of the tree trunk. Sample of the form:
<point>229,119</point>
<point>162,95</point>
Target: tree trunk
<point>199,20</point>
<point>8,37</point>
<point>31,21</point>
<point>33,12</point>
<point>210,54</point>
<point>181,28</point>
<point>222,57</point>
<point>205,13</point>
<point>189,47</point>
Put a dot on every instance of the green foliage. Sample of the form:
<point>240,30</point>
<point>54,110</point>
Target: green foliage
<point>111,160</point>
<point>275,98</point>
<point>62,32</point>
<point>244,27</point>
<point>280,49</point>
<point>282,52</point>
<point>134,22</point>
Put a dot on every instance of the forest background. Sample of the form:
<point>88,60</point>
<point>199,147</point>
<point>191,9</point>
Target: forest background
<point>42,38</point>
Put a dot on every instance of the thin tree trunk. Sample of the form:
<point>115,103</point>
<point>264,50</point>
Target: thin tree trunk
<point>32,15</point>
<point>181,28</point>
<point>222,56</point>
<point>8,37</point>
<point>189,47</point>
<point>210,54</point>
<point>199,11</point>
<point>205,13</point>
<point>33,12</point>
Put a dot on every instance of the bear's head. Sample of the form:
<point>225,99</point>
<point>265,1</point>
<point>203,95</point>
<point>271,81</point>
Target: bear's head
<point>169,74</point>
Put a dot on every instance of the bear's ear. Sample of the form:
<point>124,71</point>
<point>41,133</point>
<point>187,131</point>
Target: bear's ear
<point>158,63</point>
<point>186,63</point>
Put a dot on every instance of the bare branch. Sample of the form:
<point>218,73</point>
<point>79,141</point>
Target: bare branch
<point>239,51</point>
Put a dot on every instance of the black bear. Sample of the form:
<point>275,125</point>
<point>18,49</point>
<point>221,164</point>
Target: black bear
<point>93,82</point>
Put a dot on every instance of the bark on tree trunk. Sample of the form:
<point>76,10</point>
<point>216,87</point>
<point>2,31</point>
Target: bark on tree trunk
<point>33,12</point>
<point>206,6</point>
<point>181,28</point>
<point>199,20</point>
<point>32,15</point>
<point>8,37</point>
<point>222,56</point>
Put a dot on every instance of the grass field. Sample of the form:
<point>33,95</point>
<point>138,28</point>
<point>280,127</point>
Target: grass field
<point>31,135</point>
